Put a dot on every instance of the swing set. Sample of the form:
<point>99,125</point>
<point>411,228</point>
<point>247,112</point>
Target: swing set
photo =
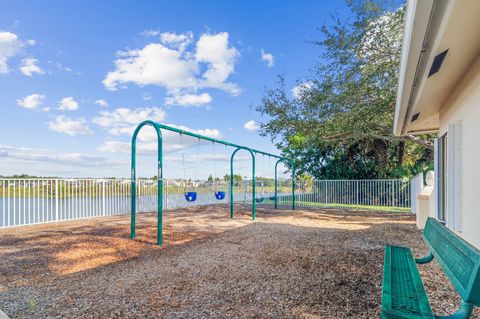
<point>191,195</point>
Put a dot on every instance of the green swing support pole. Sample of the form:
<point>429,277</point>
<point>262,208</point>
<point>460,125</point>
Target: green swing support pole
<point>158,127</point>
<point>159,182</point>
<point>253,181</point>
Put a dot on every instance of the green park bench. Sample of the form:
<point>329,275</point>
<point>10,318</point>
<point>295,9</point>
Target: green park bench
<point>403,293</point>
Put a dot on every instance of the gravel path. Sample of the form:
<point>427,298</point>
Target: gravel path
<point>303,264</point>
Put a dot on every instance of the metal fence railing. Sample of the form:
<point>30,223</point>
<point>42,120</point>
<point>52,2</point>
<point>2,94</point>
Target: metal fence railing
<point>393,194</point>
<point>33,201</point>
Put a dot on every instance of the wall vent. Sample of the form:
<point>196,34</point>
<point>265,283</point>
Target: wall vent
<point>414,117</point>
<point>437,63</point>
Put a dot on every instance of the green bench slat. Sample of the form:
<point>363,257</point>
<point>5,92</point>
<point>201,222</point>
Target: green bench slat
<point>459,260</point>
<point>403,295</point>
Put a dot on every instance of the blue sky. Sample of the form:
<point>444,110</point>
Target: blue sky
<point>76,76</point>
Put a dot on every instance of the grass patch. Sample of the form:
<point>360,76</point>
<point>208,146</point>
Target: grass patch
<point>350,206</point>
<point>283,202</point>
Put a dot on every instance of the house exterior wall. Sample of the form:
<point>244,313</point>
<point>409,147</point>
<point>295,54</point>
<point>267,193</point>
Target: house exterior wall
<point>463,106</point>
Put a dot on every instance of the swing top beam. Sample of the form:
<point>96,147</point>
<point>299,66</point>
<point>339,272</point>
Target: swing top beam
<point>206,138</point>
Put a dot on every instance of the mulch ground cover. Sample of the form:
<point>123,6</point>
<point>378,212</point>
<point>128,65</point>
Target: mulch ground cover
<point>324,263</point>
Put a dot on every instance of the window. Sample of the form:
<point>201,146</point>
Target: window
<point>448,171</point>
<point>442,176</point>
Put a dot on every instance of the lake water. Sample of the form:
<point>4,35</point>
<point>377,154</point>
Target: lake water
<point>20,211</point>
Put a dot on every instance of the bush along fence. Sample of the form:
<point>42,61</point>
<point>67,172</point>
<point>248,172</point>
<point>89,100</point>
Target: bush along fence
<point>33,201</point>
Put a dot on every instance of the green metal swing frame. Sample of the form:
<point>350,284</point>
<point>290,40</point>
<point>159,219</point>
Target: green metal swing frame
<point>158,127</point>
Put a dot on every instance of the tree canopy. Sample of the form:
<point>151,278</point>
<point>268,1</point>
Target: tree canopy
<point>337,123</point>
<point>236,177</point>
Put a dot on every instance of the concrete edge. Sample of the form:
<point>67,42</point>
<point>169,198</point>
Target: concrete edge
<point>3,315</point>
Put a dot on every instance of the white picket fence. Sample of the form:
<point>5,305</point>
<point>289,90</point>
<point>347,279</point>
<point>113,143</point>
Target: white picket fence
<point>33,201</point>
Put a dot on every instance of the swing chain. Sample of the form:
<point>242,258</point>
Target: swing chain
<point>198,158</point>
<point>214,164</point>
<point>183,162</point>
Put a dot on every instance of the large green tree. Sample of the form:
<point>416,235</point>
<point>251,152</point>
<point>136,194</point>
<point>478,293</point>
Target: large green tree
<point>338,121</point>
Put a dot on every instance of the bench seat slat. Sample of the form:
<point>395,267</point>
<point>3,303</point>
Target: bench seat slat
<point>403,295</point>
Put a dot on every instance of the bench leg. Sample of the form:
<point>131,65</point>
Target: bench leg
<point>424,260</point>
<point>464,312</point>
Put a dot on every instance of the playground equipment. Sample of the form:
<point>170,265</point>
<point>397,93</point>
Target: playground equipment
<point>266,191</point>
<point>271,196</point>
<point>219,194</point>
<point>190,196</point>
<point>158,127</point>
<point>262,193</point>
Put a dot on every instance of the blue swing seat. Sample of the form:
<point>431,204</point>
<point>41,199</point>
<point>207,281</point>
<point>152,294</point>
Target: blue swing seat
<point>191,196</point>
<point>271,198</point>
<point>220,195</point>
<point>260,199</point>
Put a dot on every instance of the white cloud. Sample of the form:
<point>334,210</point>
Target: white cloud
<point>124,120</point>
<point>175,64</point>
<point>154,64</point>
<point>32,101</point>
<point>178,41</point>
<point>48,156</point>
<point>10,46</point>
<point>268,58</point>
<point>299,90</point>
<point>102,102</point>
<point>172,142</point>
<point>189,99</point>
<point>213,49</point>
<point>125,147</point>
<point>29,67</point>
<point>68,69</point>
<point>68,104</point>
<point>151,149</point>
<point>251,126</point>
<point>116,147</point>
<point>70,126</point>
<point>150,33</point>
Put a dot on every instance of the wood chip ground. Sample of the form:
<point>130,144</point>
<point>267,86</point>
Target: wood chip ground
<point>287,264</point>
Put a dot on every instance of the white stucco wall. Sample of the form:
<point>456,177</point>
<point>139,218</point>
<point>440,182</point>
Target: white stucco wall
<point>464,105</point>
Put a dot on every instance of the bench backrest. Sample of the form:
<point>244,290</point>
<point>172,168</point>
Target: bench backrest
<point>459,260</point>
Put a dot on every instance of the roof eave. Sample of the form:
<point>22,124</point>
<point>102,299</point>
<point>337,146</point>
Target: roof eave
<point>414,38</point>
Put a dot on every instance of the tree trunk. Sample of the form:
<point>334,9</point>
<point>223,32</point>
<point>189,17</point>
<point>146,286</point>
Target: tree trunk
<point>400,152</point>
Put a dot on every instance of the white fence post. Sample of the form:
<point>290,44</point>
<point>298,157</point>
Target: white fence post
<point>356,191</point>
<point>103,198</point>
<point>416,186</point>
<point>56,199</point>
